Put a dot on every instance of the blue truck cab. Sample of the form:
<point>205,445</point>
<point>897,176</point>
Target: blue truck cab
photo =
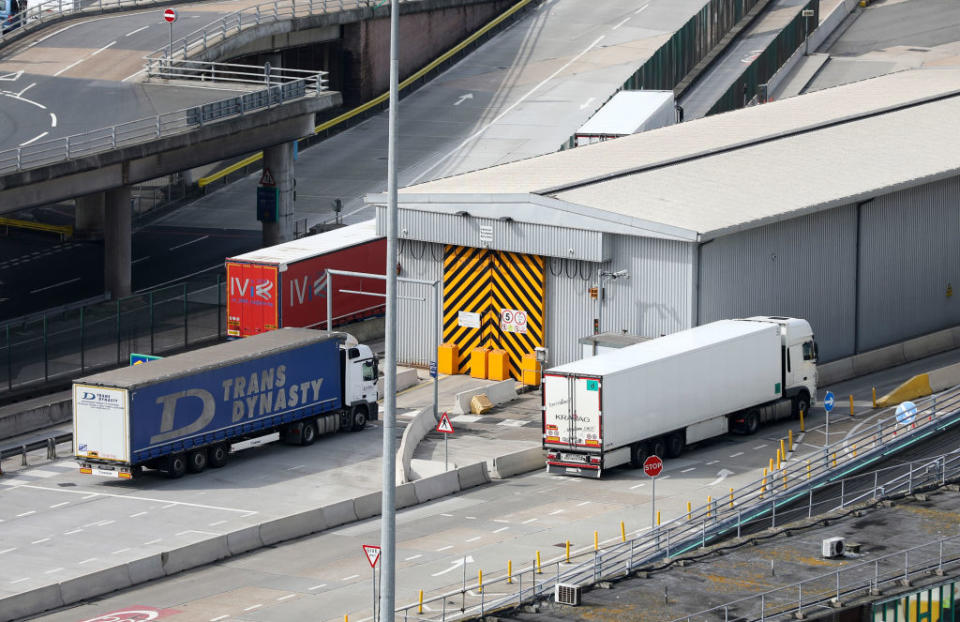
<point>188,412</point>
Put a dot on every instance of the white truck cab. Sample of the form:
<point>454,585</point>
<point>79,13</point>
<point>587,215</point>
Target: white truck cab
<point>799,359</point>
<point>360,375</point>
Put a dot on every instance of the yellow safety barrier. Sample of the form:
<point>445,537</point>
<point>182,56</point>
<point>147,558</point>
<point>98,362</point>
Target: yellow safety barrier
<point>790,440</point>
<point>918,386</point>
<point>658,518</point>
<point>568,551</point>
<point>802,428</point>
<point>539,569</point>
<point>851,404</point>
<point>480,580</point>
<point>64,231</point>
<point>382,98</point>
<point>420,607</point>
<point>509,575</point>
<point>596,541</point>
<point>623,532</point>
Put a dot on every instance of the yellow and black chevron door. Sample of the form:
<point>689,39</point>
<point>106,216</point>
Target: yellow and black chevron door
<point>516,288</point>
<point>492,299</point>
<point>466,294</point>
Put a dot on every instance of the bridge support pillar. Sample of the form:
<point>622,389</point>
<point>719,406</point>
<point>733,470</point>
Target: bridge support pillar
<point>88,219</point>
<point>279,161</point>
<point>117,242</point>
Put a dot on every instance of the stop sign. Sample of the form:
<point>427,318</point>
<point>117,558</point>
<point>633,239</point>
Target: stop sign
<point>170,15</point>
<point>652,466</point>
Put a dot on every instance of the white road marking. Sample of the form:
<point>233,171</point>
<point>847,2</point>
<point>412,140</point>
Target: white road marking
<point>144,258</point>
<point>109,45</point>
<point>26,513</point>
<point>8,550</point>
<point>688,470</point>
<point>294,468</point>
<point>454,565</point>
<point>215,523</point>
<point>133,32</point>
<point>59,505</point>
<point>134,498</point>
<point>132,75</point>
<point>20,580</point>
<point>473,539</point>
<point>33,140</point>
<point>25,89</point>
<point>53,120</point>
<point>169,505</point>
<point>70,533</point>
<point>40,541</point>
<point>203,533</point>
<point>641,9</point>
<point>138,514</point>
<point>218,618</point>
<point>621,23</point>
<point>12,77</point>
<point>68,67</point>
<point>118,551</point>
<point>500,520</point>
<point>529,520</point>
<point>463,98</point>
<point>506,111</point>
<point>712,462</point>
<point>586,103</point>
<point>252,607</point>
<point>353,576</point>
<point>202,237</point>
<point>317,587</point>
<point>87,561</point>
<point>417,556</point>
<point>501,529</point>
<point>447,515</point>
<point>470,517</point>
<point>104,523</point>
<point>286,597</point>
<point>555,512</point>
<point>158,540</point>
<point>52,570</point>
<point>637,486</point>
<point>444,548</point>
<point>89,496</point>
<point>582,503</point>
<point>760,446</point>
<point>739,453</point>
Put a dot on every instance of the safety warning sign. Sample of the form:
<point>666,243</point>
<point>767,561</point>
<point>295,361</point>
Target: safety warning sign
<point>513,321</point>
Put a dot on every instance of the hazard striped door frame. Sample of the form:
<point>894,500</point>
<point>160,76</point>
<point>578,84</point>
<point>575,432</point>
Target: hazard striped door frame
<point>493,299</point>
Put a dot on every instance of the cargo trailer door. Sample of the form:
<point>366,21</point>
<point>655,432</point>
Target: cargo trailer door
<point>571,413</point>
<point>252,294</point>
<point>585,425</point>
<point>100,419</point>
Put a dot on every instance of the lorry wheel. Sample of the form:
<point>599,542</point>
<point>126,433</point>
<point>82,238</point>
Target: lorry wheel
<point>675,445</point>
<point>176,466</point>
<point>308,433</point>
<point>801,402</point>
<point>197,460</point>
<point>359,418</point>
<point>658,447</point>
<point>638,453</point>
<point>218,456</point>
<point>752,422</point>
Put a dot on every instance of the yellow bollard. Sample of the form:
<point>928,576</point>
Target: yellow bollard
<point>802,427</point>
<point>851,404</point>
<point>770,468</point>
<point>658,518</point>
<point>874,397</point>
<point>689,515</point>
<point>731,498</point>
<point>345,619</point>
<point>808,469</point>
<point>783,450</point>
<point>596,540</point>
<point>568,551</point>
<point>479,580</point>
<point>784,479</point>
<point>709,500</point>
<point>834,458</point>
<point>539,570</point>
<point>779,463</point>
<point>854,450</point>
<point>420,607</point>
<point>790,440</point>
<point>623,532</point>
<point>763,487</point>
<point>509,574</point>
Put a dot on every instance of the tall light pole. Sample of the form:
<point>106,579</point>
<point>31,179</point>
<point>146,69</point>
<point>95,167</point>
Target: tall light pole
<point>388,518</point>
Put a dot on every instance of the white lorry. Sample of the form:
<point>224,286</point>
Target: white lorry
<point>628,112</point>
<point>662,395</point>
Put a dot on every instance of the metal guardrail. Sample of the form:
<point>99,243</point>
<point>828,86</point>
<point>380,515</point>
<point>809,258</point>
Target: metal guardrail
<point>39,15</point>
<point>233,73</point>
<point>64,231</point>
<point>50,444</point>
<point>151,128</point>
<point>268,12</point>
<point>787,494</point>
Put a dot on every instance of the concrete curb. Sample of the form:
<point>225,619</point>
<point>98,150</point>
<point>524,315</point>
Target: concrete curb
<point>518,462</point>
<point>421,425</point>
<point>497,392</point>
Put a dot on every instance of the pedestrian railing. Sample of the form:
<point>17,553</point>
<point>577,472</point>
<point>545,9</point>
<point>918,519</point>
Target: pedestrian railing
<point>232,73</point>
<point>43,13</point>
<point>151,128</point>
<point>50,444</point>
<point>824,481</point>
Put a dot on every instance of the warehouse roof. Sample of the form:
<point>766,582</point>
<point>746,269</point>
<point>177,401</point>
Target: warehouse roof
<point>745,168</point>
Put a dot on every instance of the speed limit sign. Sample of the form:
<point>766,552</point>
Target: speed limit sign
<point>513,320</point>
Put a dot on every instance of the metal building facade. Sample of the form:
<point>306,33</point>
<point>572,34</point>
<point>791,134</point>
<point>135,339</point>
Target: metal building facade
<point>804,267</point>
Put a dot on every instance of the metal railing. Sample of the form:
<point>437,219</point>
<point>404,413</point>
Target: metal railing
<point>43,13</point>
<point>788,494</point>
<point>50,444</point>
<point>208,71</point>
<point>233,23</point>
<point>59,346</point>
<point>151,128</point>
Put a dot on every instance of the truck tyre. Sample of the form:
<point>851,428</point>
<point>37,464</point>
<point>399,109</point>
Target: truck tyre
<point>218,456</point>
<point>638,454</point>
<point>197,460</point>
<point>751,422</point>
<point>658,447</point>
<point>675,444</point>
<point>359,418</point>
<point>801,402</point>
<point>308,433</point>
<point>176,466</point>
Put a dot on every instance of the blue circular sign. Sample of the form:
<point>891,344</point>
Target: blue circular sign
<point>828,401</point>
<point>906,413</point>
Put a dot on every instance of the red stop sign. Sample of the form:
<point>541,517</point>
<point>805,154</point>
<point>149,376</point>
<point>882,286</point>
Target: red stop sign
<point>652,466</point>
<point>170,15</point>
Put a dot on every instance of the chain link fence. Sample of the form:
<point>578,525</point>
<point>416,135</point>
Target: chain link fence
<point>55,347</point>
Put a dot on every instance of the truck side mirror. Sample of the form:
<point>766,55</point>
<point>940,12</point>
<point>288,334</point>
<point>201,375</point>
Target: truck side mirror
<point>353,353</point>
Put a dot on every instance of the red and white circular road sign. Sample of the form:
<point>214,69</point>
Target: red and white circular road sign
<point>170,15</point>
<point>652,466</point>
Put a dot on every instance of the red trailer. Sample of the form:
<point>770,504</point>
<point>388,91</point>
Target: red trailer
<point>284,285</point>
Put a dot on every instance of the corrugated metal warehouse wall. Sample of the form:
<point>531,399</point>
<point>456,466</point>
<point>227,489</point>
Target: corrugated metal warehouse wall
<point>656,299</point>
<point>418,260</point>
<point>801,268</point>
<point>909,259</point>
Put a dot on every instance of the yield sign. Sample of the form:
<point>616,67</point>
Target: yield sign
<point>445,426</point>
<point>373,554</point>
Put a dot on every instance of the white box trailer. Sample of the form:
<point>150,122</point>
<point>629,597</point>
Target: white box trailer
<point>628,112</point>
<point>662,395</point>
